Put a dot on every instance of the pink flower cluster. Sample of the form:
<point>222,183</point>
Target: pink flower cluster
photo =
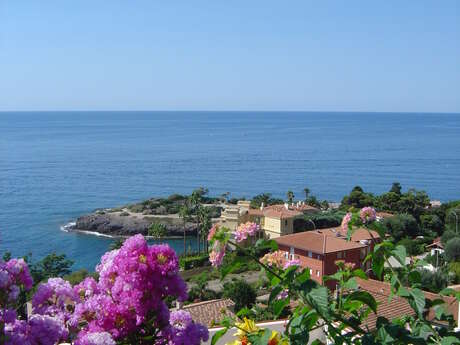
<point>289,263</point>
<point>367,214</point>
<point>14,275</point>
<point>245,230</point>
<point>275,259</point>
<point>127,300</point>
<point>218,248</point>
<point>345,221</point>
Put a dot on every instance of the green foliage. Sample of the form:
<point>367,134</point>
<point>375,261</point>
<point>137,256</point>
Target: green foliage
<point>401,225</point>
<point>357,199</point>
<point>157,230</point>
<point>52,265</point>
<point>447,235</point>
<point>396,188</point>
<point>454,269</point>
<point>266,199</point>
<point>77,277</point>
<point>194,261</point>
<point>290,196</point>
<point>323,220</point>
<point>200,291</point>
<point>431,223</point>
<point>117,244</point>
<point>434,281</point>
<point>241,293</point>
<point>413,247</point>
<point>452,249</point>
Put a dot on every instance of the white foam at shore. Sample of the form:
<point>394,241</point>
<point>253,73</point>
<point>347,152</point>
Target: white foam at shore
<point>71,227</point>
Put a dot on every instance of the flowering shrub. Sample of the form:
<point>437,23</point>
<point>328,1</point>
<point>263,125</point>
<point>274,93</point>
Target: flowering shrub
<point>341,314</point>
<point>125,306</point>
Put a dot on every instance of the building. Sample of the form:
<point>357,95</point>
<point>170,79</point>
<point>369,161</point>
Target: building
<point>318,250</point>
<point>274,220</point>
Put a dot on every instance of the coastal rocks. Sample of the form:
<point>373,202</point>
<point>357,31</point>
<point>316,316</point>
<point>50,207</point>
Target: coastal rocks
<point>125,224</point>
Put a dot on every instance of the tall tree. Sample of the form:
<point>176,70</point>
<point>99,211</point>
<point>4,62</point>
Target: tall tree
<point>205,224</point>
<point>290,196</point>
<point>307,193</point>
<point>185,214</point>
<point>195,203</point>
<point>396,188</point>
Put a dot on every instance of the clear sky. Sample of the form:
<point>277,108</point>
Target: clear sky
<point>230,55</point>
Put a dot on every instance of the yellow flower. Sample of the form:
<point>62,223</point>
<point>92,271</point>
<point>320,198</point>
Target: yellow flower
<point>247,326</point>
<point>275,339</point>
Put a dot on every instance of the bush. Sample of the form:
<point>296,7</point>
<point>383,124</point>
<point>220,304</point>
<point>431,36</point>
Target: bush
<point>448,235</point>
<point>124,214</point>
<point>324,220</point>
<point>431,223</point>
<point>241,293</point>
<point>434,281</point>
<point>412,246</point>
<point>401,225</point>
<point>454,270</point>
<point>189,262</point>
<point>452,250</point>
<point>157,230</point>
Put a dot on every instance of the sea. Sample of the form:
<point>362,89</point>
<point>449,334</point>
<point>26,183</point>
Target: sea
<point>56,166</point>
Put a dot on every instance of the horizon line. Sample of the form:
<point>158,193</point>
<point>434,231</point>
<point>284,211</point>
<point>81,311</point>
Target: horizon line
<point>233,111</point>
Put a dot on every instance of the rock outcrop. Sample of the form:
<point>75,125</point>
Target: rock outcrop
<point>124,224</point>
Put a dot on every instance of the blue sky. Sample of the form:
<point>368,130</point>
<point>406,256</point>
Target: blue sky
<point>230,55</point>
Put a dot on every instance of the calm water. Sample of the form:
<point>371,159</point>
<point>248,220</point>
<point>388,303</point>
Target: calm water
<point>56,166</point>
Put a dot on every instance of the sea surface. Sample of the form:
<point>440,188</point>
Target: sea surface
<point>55,166</point>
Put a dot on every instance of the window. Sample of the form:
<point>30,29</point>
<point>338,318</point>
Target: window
<point>317,273</point>
<point>339,255</point>
<point>285,222</point>
<point>311,271</point>
<point>310,254</point>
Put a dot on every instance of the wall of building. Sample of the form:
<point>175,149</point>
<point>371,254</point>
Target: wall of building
<point>272,227</point>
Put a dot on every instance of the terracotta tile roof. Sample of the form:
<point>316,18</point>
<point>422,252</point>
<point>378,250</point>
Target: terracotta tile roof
<point>398,306</point>
<point>210,313</point>
<point>317,242</point>
<point>358,235</point>
<point>436,243</point>
<point>282,211</point>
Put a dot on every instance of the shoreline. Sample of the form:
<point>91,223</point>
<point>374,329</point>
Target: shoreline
<point>70,227</point>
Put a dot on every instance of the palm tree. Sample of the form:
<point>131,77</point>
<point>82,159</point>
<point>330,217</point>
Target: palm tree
<point>307,192</point>
<point>290,196</point>
<point>204,219</point>
<point>185,213</point>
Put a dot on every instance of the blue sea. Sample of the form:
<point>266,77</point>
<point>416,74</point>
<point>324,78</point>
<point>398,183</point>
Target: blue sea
<point>55,166</point>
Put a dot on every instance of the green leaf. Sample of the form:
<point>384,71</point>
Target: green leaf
<point>218,335</point>
<point>350,284</point>
<point>274,293</point>
<point>279,305</point>
<point>378,265</point>
<point>400,254</point>
<point>360,274</point>
<point>318,298</point>
<point>364,297</point>
<point>450,340</point>
<point>417,302</point>
<point>415,277</point>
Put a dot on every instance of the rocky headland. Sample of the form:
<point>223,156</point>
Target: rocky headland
<point>138,218</point>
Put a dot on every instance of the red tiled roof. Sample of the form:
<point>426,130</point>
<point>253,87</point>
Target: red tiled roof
<point>359,234</point>
<point>317,242</point>
<point>397,307</point>
<point>281,211</point>
<point>210,313</point>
